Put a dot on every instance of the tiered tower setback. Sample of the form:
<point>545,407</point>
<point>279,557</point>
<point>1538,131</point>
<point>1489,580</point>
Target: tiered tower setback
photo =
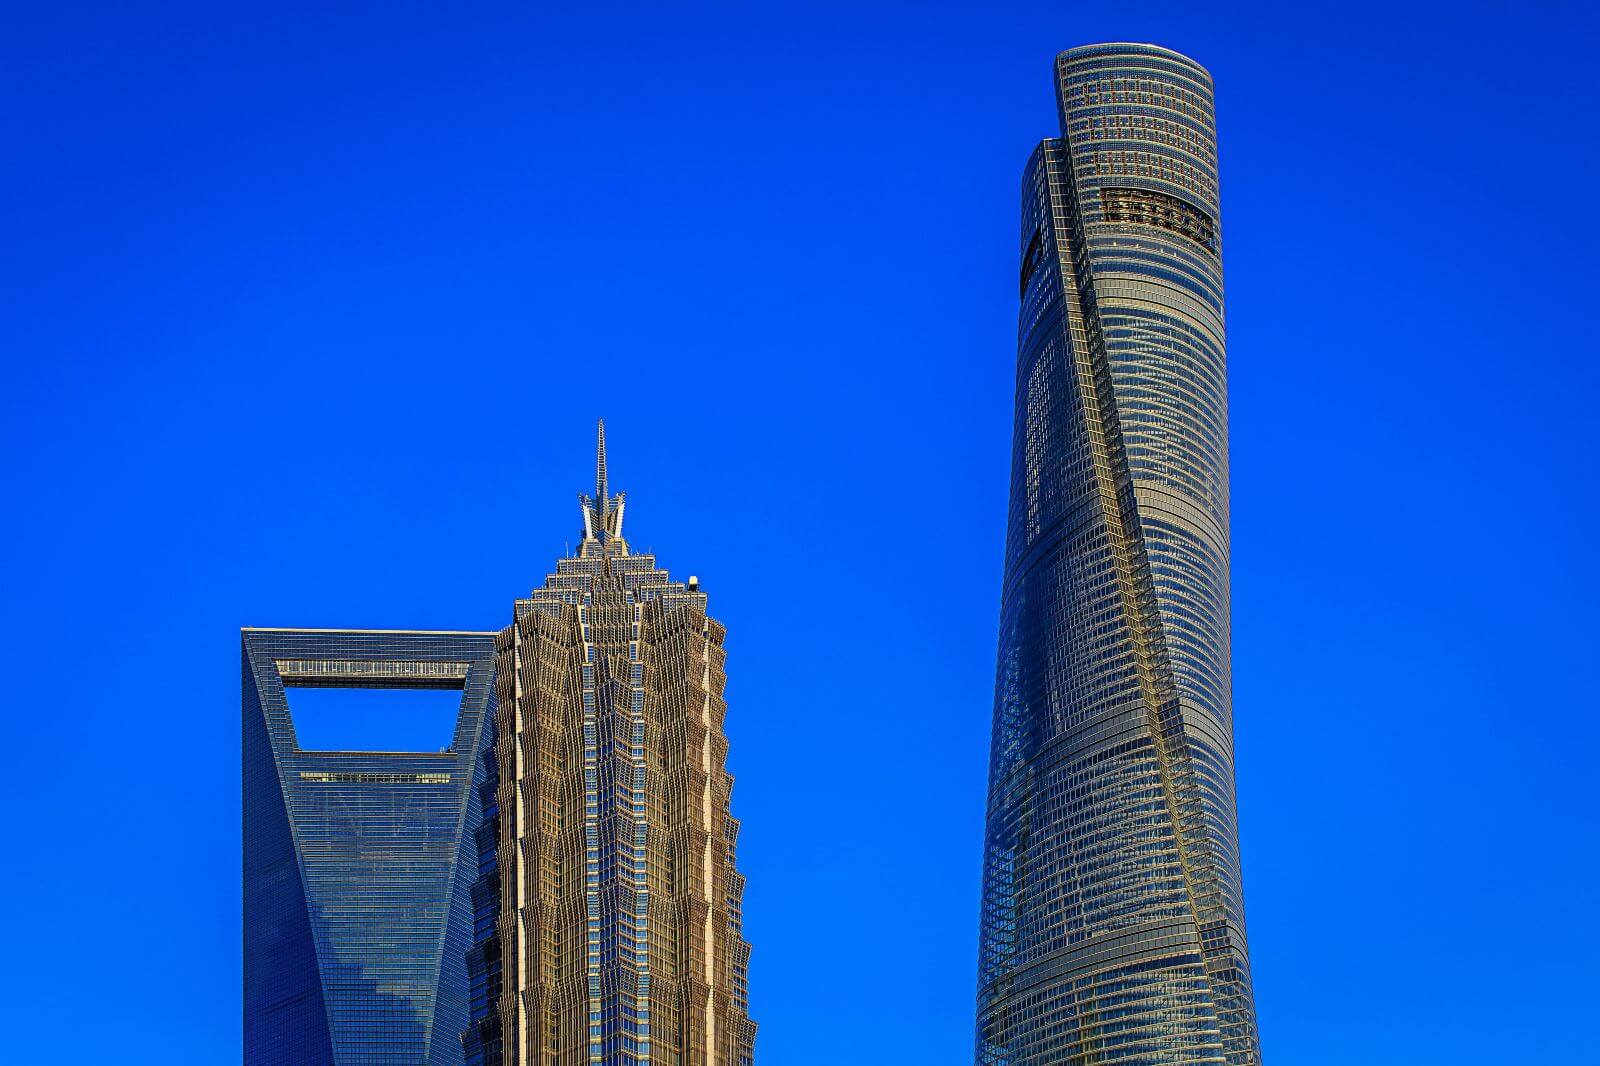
<point>622,931</point>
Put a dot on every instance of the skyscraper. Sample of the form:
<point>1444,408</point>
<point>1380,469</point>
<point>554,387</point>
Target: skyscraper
<point>1112,926</point>
<point>556,887</point>
<point>368,921</point>
<point>621,930</point>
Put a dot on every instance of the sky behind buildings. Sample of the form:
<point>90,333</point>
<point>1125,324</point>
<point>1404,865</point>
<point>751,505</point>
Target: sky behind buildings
<point>309,313</point>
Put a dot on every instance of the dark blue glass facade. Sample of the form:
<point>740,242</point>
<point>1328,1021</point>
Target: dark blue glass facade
<point>370,886</point>
<point>482,1041</point>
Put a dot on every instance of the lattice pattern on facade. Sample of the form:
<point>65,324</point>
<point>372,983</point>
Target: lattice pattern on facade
<point>622,934</point>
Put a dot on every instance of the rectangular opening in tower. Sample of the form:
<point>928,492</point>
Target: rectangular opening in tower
<point>374,719</point>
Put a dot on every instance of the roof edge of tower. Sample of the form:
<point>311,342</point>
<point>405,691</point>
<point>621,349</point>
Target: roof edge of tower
<point>375,632</point>
<point>1127,47</point>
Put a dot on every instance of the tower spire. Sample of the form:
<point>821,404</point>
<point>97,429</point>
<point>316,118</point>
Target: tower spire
<point>600,487</point>
<point>602,515</point>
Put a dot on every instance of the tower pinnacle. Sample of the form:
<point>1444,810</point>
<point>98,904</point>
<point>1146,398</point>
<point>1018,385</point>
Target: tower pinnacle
<point>602,514</point>
<point>600,468</point>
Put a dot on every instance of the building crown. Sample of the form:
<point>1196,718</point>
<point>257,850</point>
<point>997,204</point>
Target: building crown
<point>602,513</point>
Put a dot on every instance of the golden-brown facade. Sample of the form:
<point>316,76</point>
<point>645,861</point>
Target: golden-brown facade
<point>620,923</point>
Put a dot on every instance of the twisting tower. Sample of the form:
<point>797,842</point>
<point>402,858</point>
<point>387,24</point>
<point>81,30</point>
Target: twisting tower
<point>1113,916</point>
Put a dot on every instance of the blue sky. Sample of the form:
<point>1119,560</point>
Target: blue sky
<point>308,312</point>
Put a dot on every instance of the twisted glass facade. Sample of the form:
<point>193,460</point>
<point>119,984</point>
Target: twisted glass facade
<point>367,939</point>
<point>1112,925</point>
<point>622,939</point>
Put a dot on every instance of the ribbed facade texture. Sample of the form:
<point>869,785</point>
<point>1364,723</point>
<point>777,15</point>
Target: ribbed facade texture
<point>1112,927</point>
<point>367,937</point>
<point>622,929</point>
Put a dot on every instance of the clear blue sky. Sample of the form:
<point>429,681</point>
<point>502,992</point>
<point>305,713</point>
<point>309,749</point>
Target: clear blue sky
<point>307,316</point>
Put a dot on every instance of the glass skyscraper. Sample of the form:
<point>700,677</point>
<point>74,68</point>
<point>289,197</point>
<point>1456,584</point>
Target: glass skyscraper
<point>369,914</point>
<point>622,929</point>
<point>1112,927</point>
<point>556,887</point>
